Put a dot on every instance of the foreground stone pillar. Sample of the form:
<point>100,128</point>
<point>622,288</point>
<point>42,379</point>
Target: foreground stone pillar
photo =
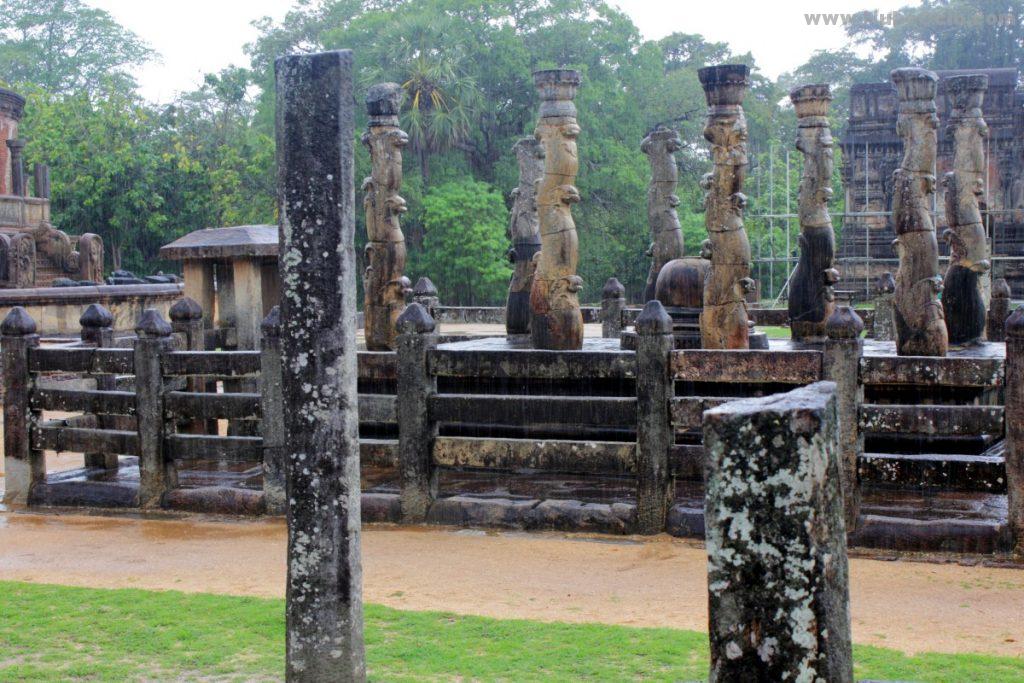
<point>998,311</point>
<point>1013,417</point>
<point>884,326</point>
<point>724,323</point>
<point>920,326</point>
<point>316,197</point>
<point>962,300</point>
<point>613,302</point>
<point>416,430</point>
<point>157,474</point>
<point>811,299</point>
<point>555,318</point>
<point>383,284</point>
<point>654,433</point>
<point>778,591</point>
<point>24,466</point>
<point>660,146</point>
<point>97,325</point>
<point>843,351</point>
<point>524,231</point>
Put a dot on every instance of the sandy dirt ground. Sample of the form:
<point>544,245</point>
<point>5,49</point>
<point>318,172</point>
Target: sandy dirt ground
<point>909,606</point>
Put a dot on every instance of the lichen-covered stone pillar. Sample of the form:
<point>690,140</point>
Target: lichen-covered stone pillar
<point>1014,420</point>
<point>383,286</point>
<point>811,299</point>
<point>524,232</point>
<point>884,326</point>
<point>416,429</point>
<point>778,606</point>
<point>843,351</point>
<point>613,302</point>
<point>654,432</point>
<point>157,474</point>
<point>316,199</point>
<point>660,146</point>
<point>962,299</point>
<point>998,311</point>
<point>18,185</point>
<point>272,425</point>
<point>555,318</point>
<point>97,325</point>
<point>920,326</point>
<point>24,466</point>
<point>724,323</point>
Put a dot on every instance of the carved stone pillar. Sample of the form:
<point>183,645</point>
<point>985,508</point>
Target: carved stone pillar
<point>21,263</point>
<point>723,322</point>
<point>660,146</point>
<point>383,283</point>
<point>920,326</point>
<point>18,185</point>
<point>90,258</point>
<point>524,231</point>
<point>962,300</point>
<point>555,318</point>
<point>811,299</point>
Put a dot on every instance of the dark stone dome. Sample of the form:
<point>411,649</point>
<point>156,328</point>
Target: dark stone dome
<point>680,283</point>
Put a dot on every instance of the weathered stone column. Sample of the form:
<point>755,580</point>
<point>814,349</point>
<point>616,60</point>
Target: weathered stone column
<point>273,428</point>
<point>962,299</point>
<point>654,432</point>
<point>385,248</point>
<point>42,180</point>
<point>843,351</point>
<point>316,198</point>
<point>24,466</point>
<point>1013,417</point>
<point>416,431</point>
<point>425,294</point>
<point>613,302</point>
<point>156,474</point>
<point>555,318</point>
<point>524,231</point>
<point>920,326</point>
<point>187,321</point>
<point>18,184</point>
<point>811,299</point>
<point>724,323</point>
<point>998,311</point>
<point>778,592</point>
<point>97,329</point>
<point>884,326</point>
<point>660,146</point>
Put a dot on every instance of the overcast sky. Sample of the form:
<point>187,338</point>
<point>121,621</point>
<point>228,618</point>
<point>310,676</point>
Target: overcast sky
<point>195,37</point>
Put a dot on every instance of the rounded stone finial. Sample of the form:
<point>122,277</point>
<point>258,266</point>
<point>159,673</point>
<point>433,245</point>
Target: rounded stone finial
<point>415,319</point>
<point>613,289</point>
<point>1001,289</point>
<point>186,309</point>
<point>1015,324</point>
<point>272,323</point>
<point>384,99</point>
<point>18,323</point>
<point>654,319</point>
<point>844,323</point>
<point>680,282</point>
<point>424,287</point>
<point>152,324</point>
<point>885,284</point>
<point>96,316</point>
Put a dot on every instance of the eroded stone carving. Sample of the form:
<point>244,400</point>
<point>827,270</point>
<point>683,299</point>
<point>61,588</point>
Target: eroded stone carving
<point>811,299</point>
<point>962,300</point>
<point>660,146</point>
<point>90,258</point>
<point>22,261</point>
<point>724,322</point>
<point>555,318</point>
<point>920,326</point>
<point>524,232</point>
<point>383,282</point>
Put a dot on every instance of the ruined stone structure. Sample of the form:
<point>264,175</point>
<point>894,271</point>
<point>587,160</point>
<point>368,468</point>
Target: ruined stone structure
<point>383,280</point>
<point>660,146</point>
<point>555,318</point>
<point>524,232</point>
<point>724,322</point>
<point>810,289</point>
<point>962,299</point>
<point>920,326</point>
<point>872,151</point>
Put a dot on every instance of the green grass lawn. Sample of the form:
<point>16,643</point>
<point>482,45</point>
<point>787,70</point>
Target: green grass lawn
<point>58,633</point>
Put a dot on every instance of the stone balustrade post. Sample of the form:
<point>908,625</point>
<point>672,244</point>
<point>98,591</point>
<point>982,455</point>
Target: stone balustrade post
<point>157,474</point>
<point>42,180</point>
<point>654,431</point>
<point>998,311</point>
<point>842,353</point>
<point>272,403</point>
<point>778,606</point>
<point>884,326</point>
<point>1013,417</point>
<point>416,430</point>
<point>425,294</point>
<point>24,466</point>
<point>613,302</point>
<point>98,329</point>
<point>187,321</point>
